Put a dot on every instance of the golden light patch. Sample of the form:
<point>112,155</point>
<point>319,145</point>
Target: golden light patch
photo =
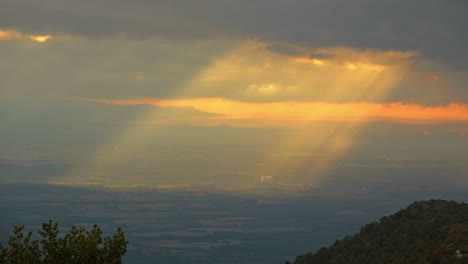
<point>365,66</point>
<point>316,62</point>
<point>351,66</point>
<point>39,38</point>
<point>9,35</point>
<point>17,35</point>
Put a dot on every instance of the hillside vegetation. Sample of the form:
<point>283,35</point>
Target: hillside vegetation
<point>78,246</point>
<point>432,232</point>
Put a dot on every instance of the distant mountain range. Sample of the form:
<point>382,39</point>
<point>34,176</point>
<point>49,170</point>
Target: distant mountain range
<point>432,232</point>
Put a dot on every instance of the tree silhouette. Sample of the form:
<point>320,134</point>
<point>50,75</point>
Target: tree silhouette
<point>77,246</point>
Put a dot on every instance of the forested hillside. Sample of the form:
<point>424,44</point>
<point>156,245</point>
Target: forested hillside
<point>433,232</point>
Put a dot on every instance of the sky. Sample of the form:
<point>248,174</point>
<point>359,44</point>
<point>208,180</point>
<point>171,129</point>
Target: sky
<point>231,93</point>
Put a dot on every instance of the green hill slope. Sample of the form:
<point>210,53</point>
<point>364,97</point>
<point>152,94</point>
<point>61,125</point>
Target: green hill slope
<point>434,231</point>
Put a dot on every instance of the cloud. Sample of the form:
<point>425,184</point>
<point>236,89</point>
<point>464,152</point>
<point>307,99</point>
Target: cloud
<point>434,28</point>
<point>69,65</point>
<point>16,35</point>
<point>242,70</point>
<point>251,71</point>
<point>287,113</point>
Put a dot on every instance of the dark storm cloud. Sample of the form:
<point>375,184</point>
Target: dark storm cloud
<point>435,28</point>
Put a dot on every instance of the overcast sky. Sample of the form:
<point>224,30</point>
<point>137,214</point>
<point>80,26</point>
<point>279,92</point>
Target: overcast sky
<point>270,64</point>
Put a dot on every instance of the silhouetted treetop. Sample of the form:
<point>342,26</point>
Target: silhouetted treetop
<point>77,246</point>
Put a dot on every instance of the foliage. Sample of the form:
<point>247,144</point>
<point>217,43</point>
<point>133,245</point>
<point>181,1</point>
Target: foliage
<point>77,246</point>
<point>432,232</point>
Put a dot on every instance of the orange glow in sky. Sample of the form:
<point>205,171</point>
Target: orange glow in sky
<point>11,35</point>
<point>40,38</point>
<point>7,35</point>
<point>298,112</point>
<point>316,62</point>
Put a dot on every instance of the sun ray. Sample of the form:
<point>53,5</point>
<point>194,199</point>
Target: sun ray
<point>251,85</point>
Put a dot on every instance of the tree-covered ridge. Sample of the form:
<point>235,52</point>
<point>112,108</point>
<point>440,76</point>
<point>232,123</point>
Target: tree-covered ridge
<point>433,232</point>
<point>76,247</point>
